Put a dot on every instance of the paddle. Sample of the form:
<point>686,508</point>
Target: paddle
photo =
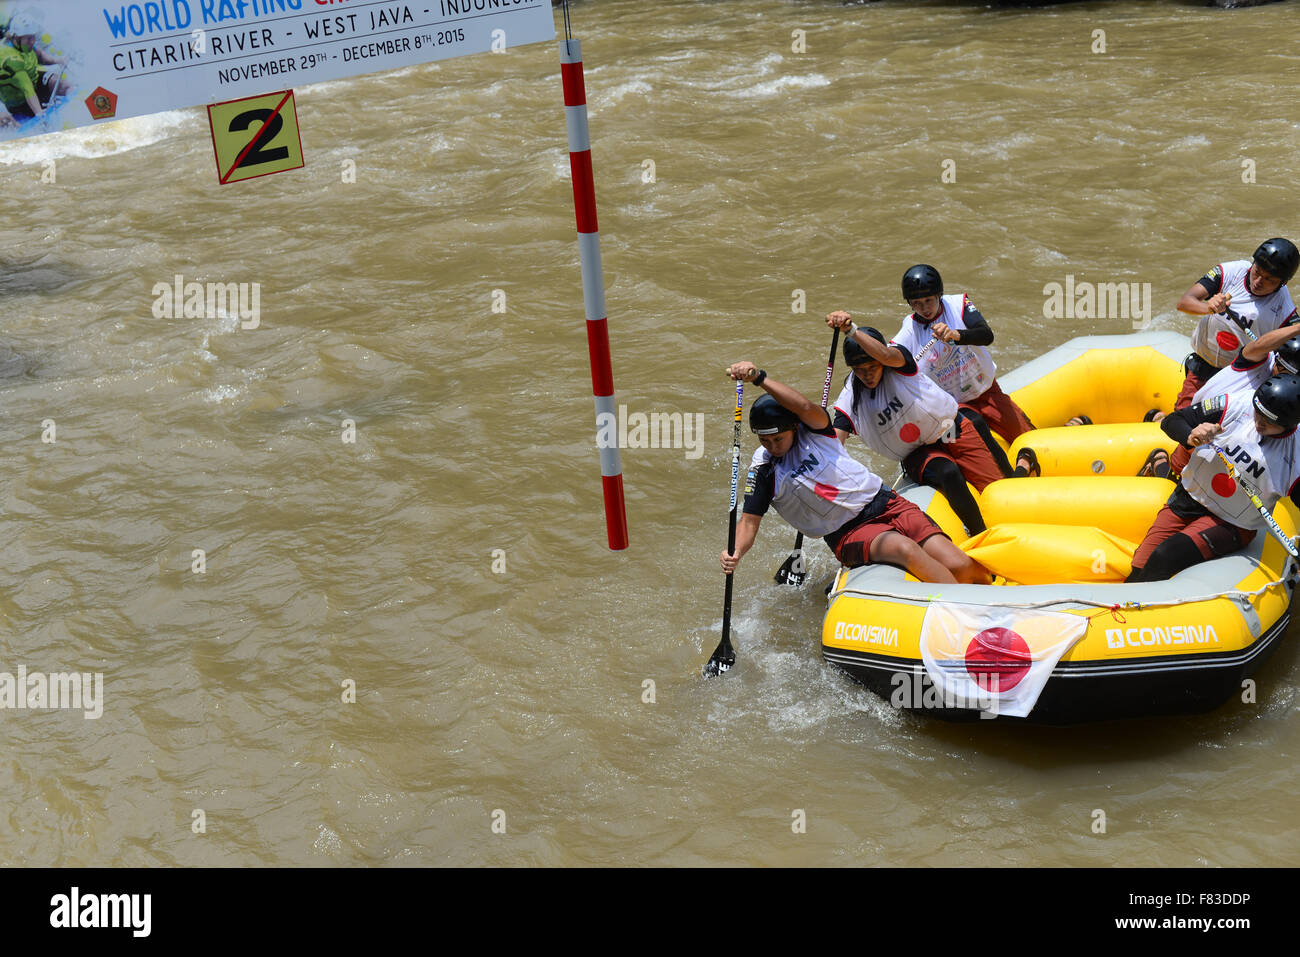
<point>793,571</point>
<point>1241,323</point>
<point>1273,527</point>
<point>724,656</point>
<point>924,349</point>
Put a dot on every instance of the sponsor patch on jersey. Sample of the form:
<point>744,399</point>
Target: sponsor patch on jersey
<point>749,482</point>
<point>1215,274</point>
<point>1217,404</point>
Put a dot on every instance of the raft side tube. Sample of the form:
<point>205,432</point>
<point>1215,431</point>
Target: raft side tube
<point>1109,378</point>
<point>1120,449</point>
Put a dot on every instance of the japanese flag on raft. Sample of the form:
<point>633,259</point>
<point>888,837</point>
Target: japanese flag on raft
<point>996,660</point>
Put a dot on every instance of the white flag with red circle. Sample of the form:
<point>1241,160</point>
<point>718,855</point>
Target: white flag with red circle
<point>996,660</point>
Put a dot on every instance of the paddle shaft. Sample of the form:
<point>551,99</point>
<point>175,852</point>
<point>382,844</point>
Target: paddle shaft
<point>826,397</point>
<point>1255,500</point>
<point>731,514</point>
<point>1235,317</point>
<point>830,367</point>
<point>724,655</point>
<point>925,348</point>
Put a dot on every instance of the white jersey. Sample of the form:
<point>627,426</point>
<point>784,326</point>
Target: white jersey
<point>964,372</point>
<point>817,485</point>
<point>1216,338</point>
<point>1270,465</point>
<point>903,413</point>
<point>1236,378</point>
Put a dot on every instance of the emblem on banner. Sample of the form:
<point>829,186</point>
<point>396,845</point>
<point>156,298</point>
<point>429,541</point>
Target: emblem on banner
<point>102,103</point>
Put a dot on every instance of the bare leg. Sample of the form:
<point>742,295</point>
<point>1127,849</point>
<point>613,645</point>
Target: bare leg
<point>964,568</point>
<point>896,548</point>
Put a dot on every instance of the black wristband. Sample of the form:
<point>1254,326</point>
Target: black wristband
<point>758,379</point>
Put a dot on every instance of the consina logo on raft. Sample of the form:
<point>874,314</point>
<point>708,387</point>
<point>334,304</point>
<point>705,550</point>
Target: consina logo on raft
<point>871,634</point>
<point>1151,637</point>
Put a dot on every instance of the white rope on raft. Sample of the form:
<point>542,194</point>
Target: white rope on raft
<point>1111,606</point>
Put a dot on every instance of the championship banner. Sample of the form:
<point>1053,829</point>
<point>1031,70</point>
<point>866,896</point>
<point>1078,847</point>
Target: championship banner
<point>77,62</point>
<point>994,660</point>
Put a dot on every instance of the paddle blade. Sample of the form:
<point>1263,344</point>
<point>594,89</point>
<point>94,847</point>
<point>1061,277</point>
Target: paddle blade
<point>793,571</point>
<point>724,656</point>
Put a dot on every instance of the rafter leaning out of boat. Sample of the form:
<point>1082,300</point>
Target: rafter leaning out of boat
<point>802,470</point>
<point>906,416</point>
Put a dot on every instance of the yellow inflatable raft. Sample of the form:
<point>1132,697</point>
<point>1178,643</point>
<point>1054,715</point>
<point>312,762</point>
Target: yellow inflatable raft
<point>1061,638</point>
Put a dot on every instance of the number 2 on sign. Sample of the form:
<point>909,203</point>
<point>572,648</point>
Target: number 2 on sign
<point>255,136</point>
<point>259,153</point>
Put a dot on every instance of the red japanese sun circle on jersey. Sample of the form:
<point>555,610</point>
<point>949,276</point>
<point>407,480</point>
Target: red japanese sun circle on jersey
<point>1223,485</point>
<point>1227,341</point>
<point>909,432</point>
<point>997,658</point>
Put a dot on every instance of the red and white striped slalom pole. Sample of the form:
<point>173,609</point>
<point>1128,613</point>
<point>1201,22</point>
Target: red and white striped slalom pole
<point>593,288</point>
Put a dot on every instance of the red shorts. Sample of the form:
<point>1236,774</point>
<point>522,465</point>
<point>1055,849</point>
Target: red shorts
<point>1209,532</point>
<point>968,452</point>
<point>899,515</point>
<point>1002,414</point>
<point>1191,385</point>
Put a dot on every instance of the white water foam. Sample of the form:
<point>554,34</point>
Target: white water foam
<point>92,142</point>
<point>221,393</point>
<point>615,96</point>
<point>781,83</point>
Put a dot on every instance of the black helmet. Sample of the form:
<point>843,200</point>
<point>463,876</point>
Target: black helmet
<point>768,417</point>
<point>1278,256</point>
<point>854,354</point>
<point>1287,356</point>
<point>1278,400</point>
<point>921,281</point>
